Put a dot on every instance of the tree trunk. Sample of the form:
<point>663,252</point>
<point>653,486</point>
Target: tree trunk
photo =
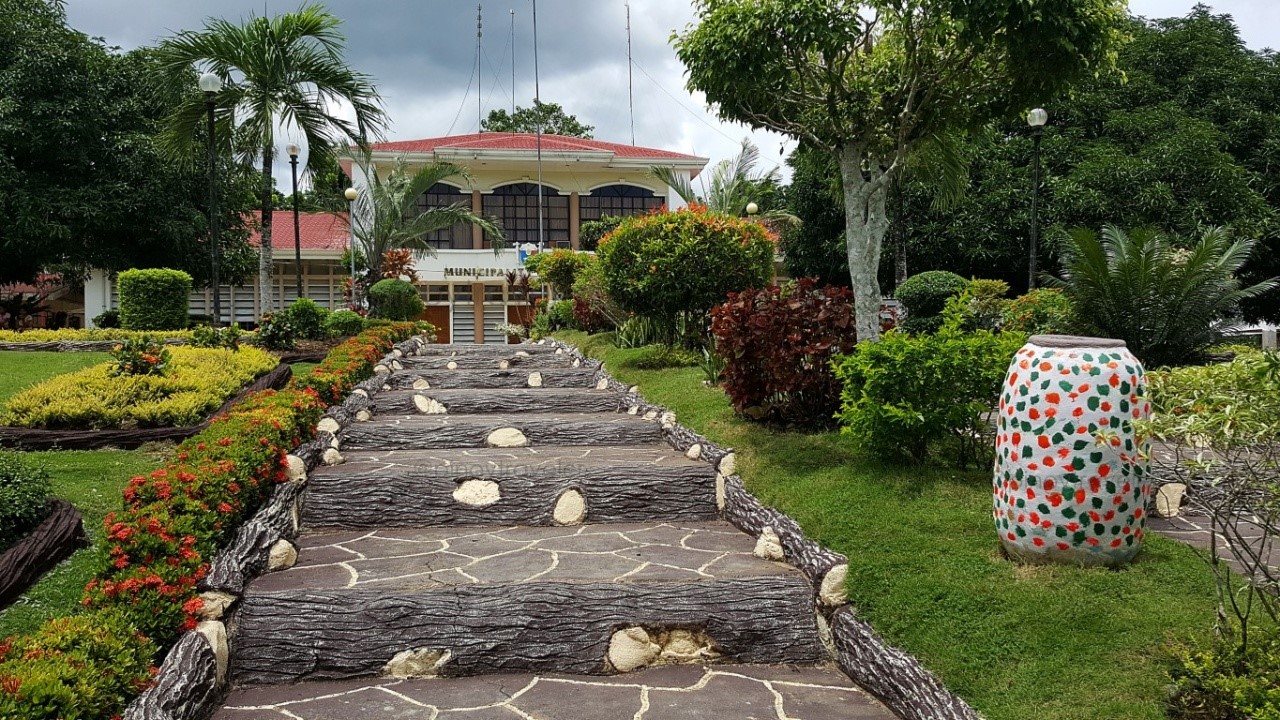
<point>866,223</point>
<point>264,250</point>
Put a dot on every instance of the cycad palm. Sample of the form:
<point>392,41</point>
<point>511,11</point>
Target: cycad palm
<point>1161,300</point>
<point>284,71</point>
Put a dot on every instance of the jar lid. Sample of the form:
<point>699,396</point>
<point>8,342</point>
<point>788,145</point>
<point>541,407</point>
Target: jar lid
<point>1074,341</point>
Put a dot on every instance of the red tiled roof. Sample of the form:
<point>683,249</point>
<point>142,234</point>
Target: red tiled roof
<point>45,282</point>
<point>316,231</point>
<point>528,141</point>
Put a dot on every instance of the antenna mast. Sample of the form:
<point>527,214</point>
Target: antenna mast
<point>479,95</point>
<point>513,62</point>
<point>631,103</point>
<point>537,102</point>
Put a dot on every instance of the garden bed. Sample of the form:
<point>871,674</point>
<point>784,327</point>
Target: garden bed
<point>52,541</point>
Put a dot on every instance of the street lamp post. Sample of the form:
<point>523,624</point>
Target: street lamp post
<point>211,84</point>
<point>350,194</point>
<point>1036,119</point>
<point>293,151</point>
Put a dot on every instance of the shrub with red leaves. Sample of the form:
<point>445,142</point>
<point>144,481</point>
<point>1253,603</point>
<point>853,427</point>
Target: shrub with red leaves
<point>778,344</point>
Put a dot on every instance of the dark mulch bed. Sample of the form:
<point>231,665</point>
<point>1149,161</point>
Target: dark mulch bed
<point>53,540</point>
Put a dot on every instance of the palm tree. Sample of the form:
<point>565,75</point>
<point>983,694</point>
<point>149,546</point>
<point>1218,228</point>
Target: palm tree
<point>734,184</point>
<point>287,71</point>
<point>1161,300</point>
<point>385,215</point>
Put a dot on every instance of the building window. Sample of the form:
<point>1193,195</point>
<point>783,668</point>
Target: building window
<point>457,237</point>
<point>516,205</point>
<point>619,201</point>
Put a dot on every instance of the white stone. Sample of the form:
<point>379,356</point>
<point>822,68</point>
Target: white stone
<point>577,362</point>
<point>686,646</point>
<point>283,556</point>
<point>824,635</point>
<point>421,384</point>
<point>768,546</point>
<point>694,452</point>
<point>385,387</point>
<point>329,425</point>
<point>522,353</point>
<point>333,442</point>
<point>1169,499</point>
<point>633,389</point>
<point>602,384</point>
<point>651,415</point>
<point>295,515</point>
<point>720,491</point>
<point>215,604</point>
<point>631,649</point>
<point>477,493</point>
<point>332,457</point>
<point>559,351</point>
<point>215,633</point>
<point>668,420</point>
<point>633,410</point>
<point>429,406</point>
<point>542,342</point>
<point>570,508</point>
<point>535,379</point>
<point>831,590</point>
<point>504,364</point>
<point>381,369</point>
<point>395,365</point>
<point>452,365</point>
<point>361,392</point>
<point>505,438</point>
<point>297,468</point>
<point>364,416</point>
<point>419,663</point>
<point>728,464</point>
<point>395,353</point>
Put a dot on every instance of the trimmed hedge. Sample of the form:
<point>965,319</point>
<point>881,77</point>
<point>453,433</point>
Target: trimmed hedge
<point>343,323</point>
<point>308,319</point>
<point>159,548</point>
<point>88,335</point>
<point>925,297</point>
<point>24,497</point>
<point>196,382</point>
<point>154,299</point>
<point>395,300</point>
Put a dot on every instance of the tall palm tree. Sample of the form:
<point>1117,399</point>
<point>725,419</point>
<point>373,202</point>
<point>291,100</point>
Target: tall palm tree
<point>285,71</point>
<point>385,215</point>
<point>734,184</point>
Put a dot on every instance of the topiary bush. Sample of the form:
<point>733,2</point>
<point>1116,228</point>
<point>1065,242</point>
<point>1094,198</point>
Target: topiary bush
<point>307,319</point>
<point>24,497</point>
<point>342,323</point>
<point>276,332</point>
<point>396,300</point>
<point>777,345</point>
<point>925,297</point>
<point>683,263</point>
<point>154,299</point>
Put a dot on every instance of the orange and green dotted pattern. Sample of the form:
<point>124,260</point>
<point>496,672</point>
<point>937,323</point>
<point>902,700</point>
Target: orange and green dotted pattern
<point>1070,479</point>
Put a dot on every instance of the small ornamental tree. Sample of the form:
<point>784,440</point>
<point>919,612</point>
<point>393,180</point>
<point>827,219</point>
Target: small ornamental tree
<point>154,299</point>
<point>683,263</point>
<point>560,268</point>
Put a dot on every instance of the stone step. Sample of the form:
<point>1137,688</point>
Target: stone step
<point>489,361</point>
<point>732,692</point>
<point>505,400</point>
<point>421,488</point>
<point>484,379</point>
<point>594,599</point>
<point>486,349</point>
<point>430,432</point>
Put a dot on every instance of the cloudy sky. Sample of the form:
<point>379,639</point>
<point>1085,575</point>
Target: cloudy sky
<point>422,55</point>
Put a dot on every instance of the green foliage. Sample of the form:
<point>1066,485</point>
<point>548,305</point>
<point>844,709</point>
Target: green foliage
<point>108,319</point>
<point>734,184</point>
<point>560,315</point>
<point>24,497</point>
<point>342,323</point>
<point>595,308</point>
<point>207,336</point>
<point>154,299</point>
<point>815,247</point>
<point>541,326</point>
<point>394,299</point>
<point>664,357</point>
<point>75,668</point>
<point>637,332</point>
<point>354,360</point>
<point>276,331</point>
<point>1228,405</point>
<point>543,117</point>
<point>906,395</point>
<point>88,335</point>
<point>1218,680</point>
<point>925,296</point>
<point>197,382</point>
<point>560,268</point>
<point>308,319</point>
<point>1161,300</point>
<point>1043,311</point>
<point>140,356</point>
<point>659,265</point>
<point>591,232</point>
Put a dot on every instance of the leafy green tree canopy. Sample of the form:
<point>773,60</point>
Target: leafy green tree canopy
<point>549,117</point>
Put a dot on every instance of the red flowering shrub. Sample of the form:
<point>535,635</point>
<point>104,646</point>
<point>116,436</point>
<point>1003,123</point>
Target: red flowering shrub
<point>353,360</point>
<point>777,345</point>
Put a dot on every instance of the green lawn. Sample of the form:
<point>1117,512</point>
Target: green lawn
<point>302,369</point>
<point>20,370</point>
<point>1049,643</point>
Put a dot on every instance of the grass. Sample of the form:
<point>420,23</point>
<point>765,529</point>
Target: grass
<point>93,482</point>
<point>1049,643</point>
<point>20,370</point>
<point>302,369</point>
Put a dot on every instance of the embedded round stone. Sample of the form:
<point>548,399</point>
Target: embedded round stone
<point>720,491</point>
<point>651,415</point>
<point>332,457</point>
<point>297,468</point>
<point>631,649</point>
<point>1169,499</point>
<point>602,384</point>
<point>395,353</point>
<point>451,365</point>
<point>831,591</point>
<point>505,438</point>
<point>477,493</point>
<point>381,369</point>
<point>328,424</point>
<point>361,392</point>
<point>504,364</point>
<point>694,452</point>
<point>364,416</point>
<point>429,406</point>
<point>577,362</point>
<point>768,546</point>
<point>535,379</point>
<point>559,351</point>
<point>215,633</point>
<point>633,410</point>
<point>395,365</point>
<point>522,353</point>
<point>728,464</point>
<point>283,555</point>
<point>214,604</point>
<point>417,663</point>
<point>421,384</point>
<point>571,508</point>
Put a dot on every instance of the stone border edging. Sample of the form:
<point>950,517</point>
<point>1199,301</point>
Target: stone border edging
<point>896,678</point>
<point>54,539</point>
<point>193,677</point>
<point>73,345</point>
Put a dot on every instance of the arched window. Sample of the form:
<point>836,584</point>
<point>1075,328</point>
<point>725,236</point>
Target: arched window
<point>441,195</point>
<point>619,201</point>
<point>516,205</point>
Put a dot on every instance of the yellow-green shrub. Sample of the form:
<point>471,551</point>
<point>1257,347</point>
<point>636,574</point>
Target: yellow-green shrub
<point>198,382</point>
<point>88,334</point>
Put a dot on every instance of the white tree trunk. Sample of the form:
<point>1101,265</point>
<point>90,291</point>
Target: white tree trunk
<point>866,223</point>
<point>264,251</point>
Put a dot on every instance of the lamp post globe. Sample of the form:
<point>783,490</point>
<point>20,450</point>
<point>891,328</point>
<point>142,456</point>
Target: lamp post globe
<point>210,83</point>
<point>752,208</point>
<point>1037,117</point>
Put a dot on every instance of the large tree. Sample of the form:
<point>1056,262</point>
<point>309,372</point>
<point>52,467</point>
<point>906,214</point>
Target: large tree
<point>874,81</point>
<point>286,70</point>
<point>543,117</point>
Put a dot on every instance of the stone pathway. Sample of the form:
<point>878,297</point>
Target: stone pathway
<point>500,521</point>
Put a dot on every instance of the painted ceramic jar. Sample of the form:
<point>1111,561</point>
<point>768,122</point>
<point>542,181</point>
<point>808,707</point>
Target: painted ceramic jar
<point>1070,482</point>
